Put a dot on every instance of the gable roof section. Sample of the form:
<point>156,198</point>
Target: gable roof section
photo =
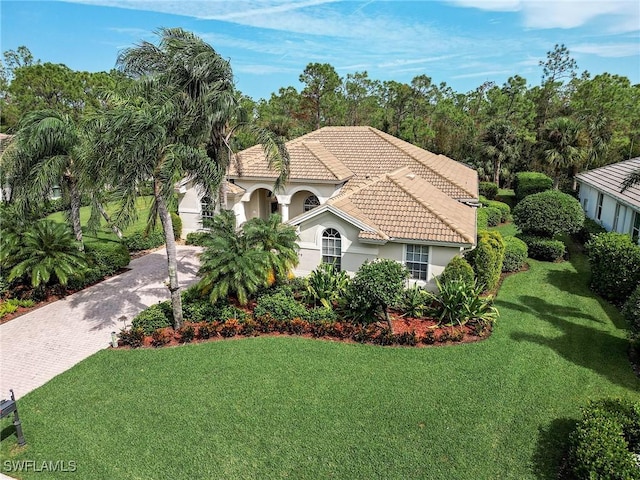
<point>609,179</point>
<point>403,206</point>
<point>359,153</point>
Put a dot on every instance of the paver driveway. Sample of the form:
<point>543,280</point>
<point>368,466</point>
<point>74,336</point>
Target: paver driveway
<point>45,342</point>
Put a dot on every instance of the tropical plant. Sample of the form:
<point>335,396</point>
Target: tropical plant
<point>278,241</point>
<point>326,284</point>
<point>414,301</point>
<point>230,264</point>
<point>500,141</point>
<point>45,253</point>
<point>459,302</point>
<point>631,179</point>
<point>563,145</point>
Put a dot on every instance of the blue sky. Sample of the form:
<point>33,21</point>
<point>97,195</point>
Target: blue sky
<point>269,42</point>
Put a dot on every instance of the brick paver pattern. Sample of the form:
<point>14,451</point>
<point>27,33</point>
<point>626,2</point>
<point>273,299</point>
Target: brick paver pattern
<point>45,342</point>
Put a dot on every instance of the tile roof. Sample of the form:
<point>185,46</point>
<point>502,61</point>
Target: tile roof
<point>403,206</point>
<point>357,153</point>
<point>609,180</point>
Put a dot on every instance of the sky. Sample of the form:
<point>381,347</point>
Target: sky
<point>269,42</point>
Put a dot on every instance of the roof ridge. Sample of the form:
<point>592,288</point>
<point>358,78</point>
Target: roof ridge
<point>327,165</point>
<point>393,178</point>
<point>411,150</point>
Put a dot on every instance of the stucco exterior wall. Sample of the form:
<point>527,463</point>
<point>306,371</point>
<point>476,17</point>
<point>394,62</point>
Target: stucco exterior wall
<point>611,208</point>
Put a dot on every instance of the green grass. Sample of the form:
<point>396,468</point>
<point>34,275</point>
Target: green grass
<point>104,233</point>
<point>286,407</point>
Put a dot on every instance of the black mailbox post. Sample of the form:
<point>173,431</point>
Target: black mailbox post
<point>6,408</point>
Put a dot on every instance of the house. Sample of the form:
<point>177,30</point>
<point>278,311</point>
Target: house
<point>603,201</point>
<point>356,194</point>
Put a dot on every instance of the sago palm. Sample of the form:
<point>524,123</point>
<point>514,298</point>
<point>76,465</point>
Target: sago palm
<point>46,253</point>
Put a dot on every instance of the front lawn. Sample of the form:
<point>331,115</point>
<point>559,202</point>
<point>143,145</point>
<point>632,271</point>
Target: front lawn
<point>286,407</point>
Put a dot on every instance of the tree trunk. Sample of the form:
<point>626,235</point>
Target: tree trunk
<point>107,219</point>
<point>224,195</point>
<point>75,211</point>
<point>496,172</point>
<point>172,259</point>
<point>387,317</point>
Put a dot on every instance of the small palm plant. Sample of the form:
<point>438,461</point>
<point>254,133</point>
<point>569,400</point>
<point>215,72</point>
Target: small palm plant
<point>459,302</point>
<point>46,253</point>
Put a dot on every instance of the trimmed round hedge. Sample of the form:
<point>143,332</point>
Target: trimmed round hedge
<point>457,269</point>
<point>542,248</point>
<point>529,183</point>
<point>631,311</point>
<point>515,254</point>
<point>488,189</point>
<point>548,213</point>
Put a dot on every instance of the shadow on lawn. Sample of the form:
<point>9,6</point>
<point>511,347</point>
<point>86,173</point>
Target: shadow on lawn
<point>582,345</point>
<point>549,458</point>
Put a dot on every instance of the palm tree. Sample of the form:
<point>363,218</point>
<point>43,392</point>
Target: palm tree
<point>44,154</point>
<point>231,265</point>
<point>44,252</point>
<point>278,241</point>
<point>563,145</point>
<point>173,123</point>
<point>501,145</point>
<point>631,179</point>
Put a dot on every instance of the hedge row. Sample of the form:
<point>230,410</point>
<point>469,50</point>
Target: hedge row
<point>542,248</point>
<point>103,260</point>
<point>515,254</point>
<point>548,213</point>
<point>486,259</point>
<point>488,190</point>
<point>528,183</point>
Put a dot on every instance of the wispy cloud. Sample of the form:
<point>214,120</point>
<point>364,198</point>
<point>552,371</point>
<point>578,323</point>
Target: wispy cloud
<point>487,74</point>
<point>618,50</point>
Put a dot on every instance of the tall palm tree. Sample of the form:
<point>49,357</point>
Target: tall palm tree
<point>278,241</point>
<point>171,124</point>
<point>44,154</point>
<point>563,145</point>
<point>501,145</point>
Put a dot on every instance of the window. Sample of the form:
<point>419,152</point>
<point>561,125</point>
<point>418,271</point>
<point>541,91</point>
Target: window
<point>417,261</point>
<point>599,206</point>
<point>310,203</point>
<point>635,227</point>
<point>616,214</point>
<point>585,205</point>
<point>207,208</point>
<point>332,247</point>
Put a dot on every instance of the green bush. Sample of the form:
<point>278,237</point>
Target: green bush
<point>528,183</point>
<point>604,440</point>
<point>176,221</point>
<point>589,229</point>
<point>326,284</point>
<point>133,337</point>
<point>457,268</point>
<point>156,316</point>
<point>459,302</point>
<point>631,310</point>
<point>488,190</point>
<point>505,210</point>
<point>482,215</point>
<point>108,257</point>
<point>200,239</point>
<point>548,214</point>
<point>140,241</point>
<point>279,306</point>
<point>486,259</point>
<point>615,266</point>
<point>493,216</point>
<point>542,248</point>
<point>321,314</point>
<point>414,301</point>
<point>515,254</point>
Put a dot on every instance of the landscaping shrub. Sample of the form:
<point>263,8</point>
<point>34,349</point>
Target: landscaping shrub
<point>603,442</point>
<point>615,266</point>
<point>279,306</point>
<point>503,208</point>
<point>548,213</point>
<point>486,259</point>
<point>108,258</point>
<point>200,239</point>
<point>176,222</point>
<point>156,316</point>
<point>375,287</point>
<point>457,268</point>
<point>197,308</point>
<point>458,302</point>
<point>11,305</point>
<point>132,337</point>
<point>144,241</point>
<point>589,229</point>
<point>631,311</point>
<point>321,314</point>
<point>488,190</point>
<point>542,248</point>
<point>482,215</point>
<point>515,254</point>
<point>161,336</point>
<point>493,216</point>
<point>187,333</point>
<point>528,183</point>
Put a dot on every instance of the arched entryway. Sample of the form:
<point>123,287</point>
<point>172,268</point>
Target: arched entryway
<point>261,204</point>
<point>301,202</point>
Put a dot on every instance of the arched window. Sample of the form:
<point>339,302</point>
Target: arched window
<point>310,203</point>
<point>332,248</point>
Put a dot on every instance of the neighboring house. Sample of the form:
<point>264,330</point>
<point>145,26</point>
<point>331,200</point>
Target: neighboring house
<point>356,194</point>
<point>603,201</point>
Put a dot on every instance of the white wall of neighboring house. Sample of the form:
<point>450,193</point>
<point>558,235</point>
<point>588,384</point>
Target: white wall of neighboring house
<point>613,215</point>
